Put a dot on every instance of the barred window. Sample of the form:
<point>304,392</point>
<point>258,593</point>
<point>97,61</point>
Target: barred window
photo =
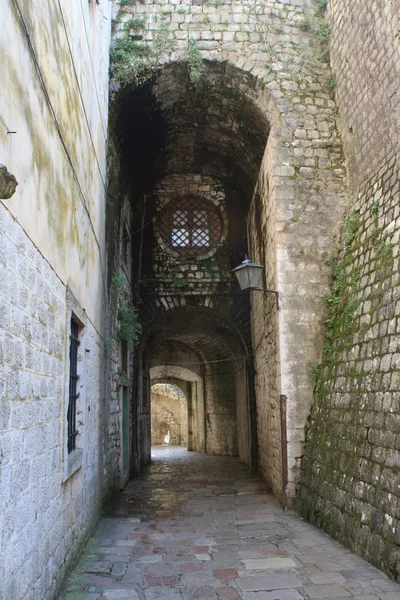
<point>73,384</point>
<point>190,227</point>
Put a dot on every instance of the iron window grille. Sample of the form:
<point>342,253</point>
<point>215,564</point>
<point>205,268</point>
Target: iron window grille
<point>190,227</point>
<point>73,384</point>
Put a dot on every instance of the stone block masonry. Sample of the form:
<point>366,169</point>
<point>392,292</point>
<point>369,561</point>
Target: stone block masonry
<point>365,58</point>
<point>350,480</point>
<point>169,413</point>
<point>44,519</point>
<point>351,467</point>
<point>259,56</point>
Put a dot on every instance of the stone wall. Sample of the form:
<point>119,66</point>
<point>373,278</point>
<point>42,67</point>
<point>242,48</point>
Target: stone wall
<point>46,511</point>
<point>169,412</point>
<point>262,64</point>
<point>350,482</point>
<point>119,349</point>
<point>265,333</point>
<point>54,99</point>
<point>221,423</point>
<point>365,57</point>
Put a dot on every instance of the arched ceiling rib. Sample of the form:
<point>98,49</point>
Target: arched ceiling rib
<point>204,332</point>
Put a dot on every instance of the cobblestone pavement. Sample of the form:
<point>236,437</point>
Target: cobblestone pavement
<point>198,527</point>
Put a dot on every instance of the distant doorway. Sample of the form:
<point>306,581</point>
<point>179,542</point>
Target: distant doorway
<point>169,415</point>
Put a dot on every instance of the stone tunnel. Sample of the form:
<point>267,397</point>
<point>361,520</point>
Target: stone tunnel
<point>156,143</point>
<point>199,168</point>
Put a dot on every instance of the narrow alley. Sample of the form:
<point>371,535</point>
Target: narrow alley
<point>201,527</point>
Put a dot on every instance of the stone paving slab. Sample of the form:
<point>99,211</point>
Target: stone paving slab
<point>198,527</point>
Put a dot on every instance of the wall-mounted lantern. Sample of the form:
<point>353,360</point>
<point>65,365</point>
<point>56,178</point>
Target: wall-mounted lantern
<point>249,274</point>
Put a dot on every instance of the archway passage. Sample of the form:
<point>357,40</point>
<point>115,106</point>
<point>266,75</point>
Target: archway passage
<point>169,415</point>
<point>199,350</point>
<point>190,157</point>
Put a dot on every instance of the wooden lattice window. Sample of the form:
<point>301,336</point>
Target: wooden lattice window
<point>190,227</point>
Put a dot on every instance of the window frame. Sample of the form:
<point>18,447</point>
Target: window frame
<point>73,459</point>
<point>190,227</point>
<point>73,394</point>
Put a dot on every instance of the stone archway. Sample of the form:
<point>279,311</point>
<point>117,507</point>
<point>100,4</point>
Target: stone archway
<point>192,385</point>
<point>232,136</point>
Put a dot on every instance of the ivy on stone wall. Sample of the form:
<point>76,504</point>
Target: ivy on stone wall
<point>129,328</point>
<point>343,299</point>
<point>195,61</point>
<point>132,60</point>
<point>342,304</point>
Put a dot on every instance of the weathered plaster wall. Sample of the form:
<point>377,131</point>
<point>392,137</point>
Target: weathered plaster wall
<point>53,122</point>
<point>350,469</point>
<point>61,195</point>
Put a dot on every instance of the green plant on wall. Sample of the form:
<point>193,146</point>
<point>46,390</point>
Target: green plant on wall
<point>133,61</point>
<point>134,23</point>
<point>267,25</point>
<point>343,299</point>
<point>181,282</point>
<point>118,284</point>
<point>129,326</point>
<point>342,303</point>
<point>321,6</point>
<point>195,61</point>
<point>207,265</point>
<point>314,22</point>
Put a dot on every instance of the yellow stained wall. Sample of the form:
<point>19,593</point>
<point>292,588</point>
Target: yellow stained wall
<point>54,96</point>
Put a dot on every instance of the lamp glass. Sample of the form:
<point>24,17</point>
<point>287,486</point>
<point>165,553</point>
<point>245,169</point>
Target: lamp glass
<point>254,274</point>
<point>248,275</point>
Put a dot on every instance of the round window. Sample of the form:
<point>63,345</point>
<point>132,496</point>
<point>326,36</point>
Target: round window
<point>190,227</point>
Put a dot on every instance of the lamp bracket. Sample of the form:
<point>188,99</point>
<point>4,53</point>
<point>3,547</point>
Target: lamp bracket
<point>276,294</point>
